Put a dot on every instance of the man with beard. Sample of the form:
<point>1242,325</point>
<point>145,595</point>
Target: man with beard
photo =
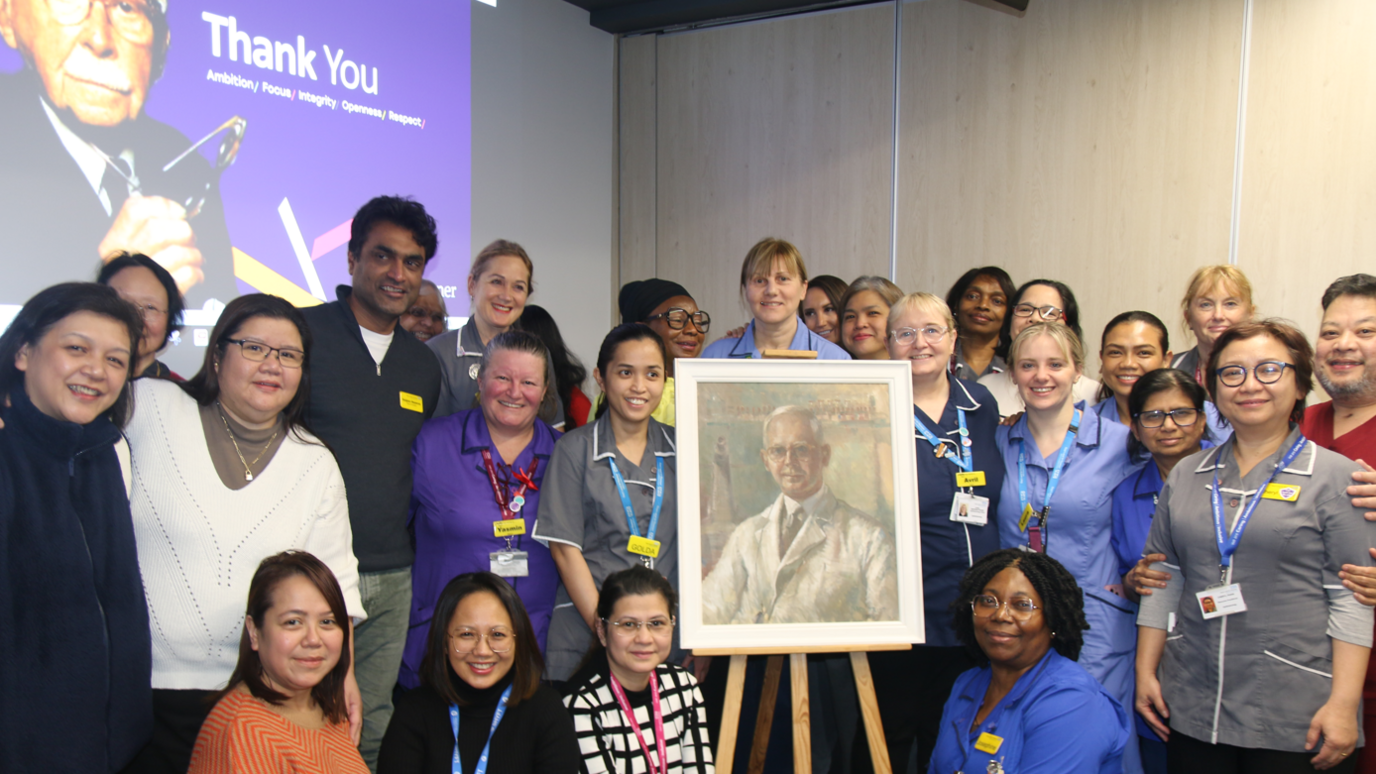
<point>82,165</point>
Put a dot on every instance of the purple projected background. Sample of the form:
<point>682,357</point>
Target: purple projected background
<point>326,161</point>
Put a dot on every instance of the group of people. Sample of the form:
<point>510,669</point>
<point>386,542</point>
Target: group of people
<point>357,541</point>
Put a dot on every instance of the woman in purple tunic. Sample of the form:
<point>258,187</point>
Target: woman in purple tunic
<point>477,487</point>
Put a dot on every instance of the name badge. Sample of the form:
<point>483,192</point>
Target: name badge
<point>1027,514</point>
<point>509,564</point>
<point>643,546</point>
<point>509,527</point>
<point>970,509</point>
<point>1287,492</point>
<point>988,743</point>
<point>1221,601</point>
<point>973,478</point>
<point>412,402</point>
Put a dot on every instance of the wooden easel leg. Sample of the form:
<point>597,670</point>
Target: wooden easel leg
<point>731,715</point>
<point>764,720</point>
<point>802,719</point>
<point>869,710</point>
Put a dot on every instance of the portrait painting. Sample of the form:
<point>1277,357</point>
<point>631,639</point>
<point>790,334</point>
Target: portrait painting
<point>798,504</point>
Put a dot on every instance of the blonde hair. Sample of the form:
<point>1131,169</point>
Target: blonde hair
<point>498,249</point>
<point>1070,344</point>
<point>1206,278</point>
<point>921,302</point>
<point>760,260</point>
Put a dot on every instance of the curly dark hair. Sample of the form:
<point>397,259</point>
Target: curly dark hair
<point>1063,603</point>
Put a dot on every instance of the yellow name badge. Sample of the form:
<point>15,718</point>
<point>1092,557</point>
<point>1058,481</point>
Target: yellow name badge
<point>509,527</point>
<point>988,743</point>
<point>643,546</point>
<point>412,402</point>
<point>1287,492</point>
<point>973,478</point>
<point>1027,515</point>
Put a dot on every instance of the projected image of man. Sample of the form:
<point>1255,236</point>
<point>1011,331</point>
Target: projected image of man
<point>82,165</point>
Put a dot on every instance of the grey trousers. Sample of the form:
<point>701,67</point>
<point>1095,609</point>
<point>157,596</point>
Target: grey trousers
<point>378,645</point>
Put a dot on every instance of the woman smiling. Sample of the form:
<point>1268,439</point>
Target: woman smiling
<point>225,460</point>
<point>1133,344</point>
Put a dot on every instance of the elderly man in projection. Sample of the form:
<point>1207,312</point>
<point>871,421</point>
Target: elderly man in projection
<point>808,557</point>
<point>84,172</point>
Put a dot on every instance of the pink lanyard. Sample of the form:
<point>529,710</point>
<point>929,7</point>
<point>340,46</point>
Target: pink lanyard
<point>655,712</point>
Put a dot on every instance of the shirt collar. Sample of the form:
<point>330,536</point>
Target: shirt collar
<point>1222,457</point>
<point>657,439</point>
<point>1088,437</point>
<point>808,505</point>
<point>965,403</point>
<point>91,164</point>
<point>469,342</point>
<point>745,346</point>
<point>1148,481</point>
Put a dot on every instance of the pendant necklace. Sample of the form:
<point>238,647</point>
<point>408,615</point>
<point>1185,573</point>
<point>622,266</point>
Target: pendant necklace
<point>248,466</point>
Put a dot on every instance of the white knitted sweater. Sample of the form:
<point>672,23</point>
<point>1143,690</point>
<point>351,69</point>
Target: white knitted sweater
<point>200,542</point>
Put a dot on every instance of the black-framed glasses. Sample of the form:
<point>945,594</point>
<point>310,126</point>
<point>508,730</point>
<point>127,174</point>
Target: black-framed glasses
<point>132,19</point>
<point>657,627</point>
<point>801,452</point>
<point>908,336</point>
<point>676,318</point>
<point>1266,372</point>
<point>465,639</point>
<point>257,351</point>
<point>1048,313</point>
<point>986,605</point>
<point>1182,417</point>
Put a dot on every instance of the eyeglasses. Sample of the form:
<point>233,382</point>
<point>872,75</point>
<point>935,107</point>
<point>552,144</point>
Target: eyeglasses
<point>257,351</point>
<point>419,311</point>
<point>465,639</point>
<point>657,627</point>
<point>801,452</point>
<point>1048,313</point>
<point>676,318</point>
<point>986,605</point>
<point>1182,417</point>
<point>132,19</point>
<point>1266,372</point>
<point>148,310</point>
<point>908,336</point>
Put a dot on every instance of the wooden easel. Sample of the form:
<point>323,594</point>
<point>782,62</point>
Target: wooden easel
<point>802,730</point>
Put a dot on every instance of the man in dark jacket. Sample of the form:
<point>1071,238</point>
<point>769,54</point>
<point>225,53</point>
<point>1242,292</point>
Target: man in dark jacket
<point>372,387</point>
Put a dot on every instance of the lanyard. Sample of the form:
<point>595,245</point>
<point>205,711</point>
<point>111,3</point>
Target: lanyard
<point>656,712</point>
<point>496,718</point>
<point>626,497</point>
<point>1056,471</point>
<point>509,508</point>
<point>966,460</point>
<point>1227,545</point>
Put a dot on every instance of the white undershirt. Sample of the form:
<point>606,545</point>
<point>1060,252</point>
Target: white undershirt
<point>377,345</point>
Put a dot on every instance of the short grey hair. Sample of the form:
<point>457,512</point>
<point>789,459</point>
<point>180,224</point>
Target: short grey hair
<point>797,411</point>
<point>425,285</point>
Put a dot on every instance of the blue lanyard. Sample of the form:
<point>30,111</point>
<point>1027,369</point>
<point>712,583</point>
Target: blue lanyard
<point>1056,471</point>
<point>966,460</point>
<point>626,497</point>
<point>496,718</point>
<point>1227,545</point>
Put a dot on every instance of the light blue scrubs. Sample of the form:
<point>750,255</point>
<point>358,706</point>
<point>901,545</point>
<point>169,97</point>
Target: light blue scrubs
<point>1080,534</point>
<point>803,340</point>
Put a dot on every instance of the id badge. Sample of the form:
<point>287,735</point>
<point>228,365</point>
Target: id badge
<point>508,527</point>
<point>970,509</point>
<point>1220,601</point>
<point>973,478</point>
<point>643,546</point>
<point>509,564</point>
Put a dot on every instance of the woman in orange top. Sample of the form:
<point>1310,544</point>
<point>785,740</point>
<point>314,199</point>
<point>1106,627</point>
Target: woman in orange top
<point>284,708</point>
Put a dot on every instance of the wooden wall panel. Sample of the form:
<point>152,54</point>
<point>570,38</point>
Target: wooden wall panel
<point>636,144</point>
<point>779,128</point>
<point>1090,142</point>
<point>1309,171</point>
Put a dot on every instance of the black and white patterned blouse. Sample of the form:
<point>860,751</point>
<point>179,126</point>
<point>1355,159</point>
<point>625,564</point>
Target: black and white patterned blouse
<point>606,739</point>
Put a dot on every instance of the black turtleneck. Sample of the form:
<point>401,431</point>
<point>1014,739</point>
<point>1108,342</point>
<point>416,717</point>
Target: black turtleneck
<point>535,736</point>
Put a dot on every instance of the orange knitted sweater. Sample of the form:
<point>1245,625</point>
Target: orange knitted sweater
<point>244,736</point>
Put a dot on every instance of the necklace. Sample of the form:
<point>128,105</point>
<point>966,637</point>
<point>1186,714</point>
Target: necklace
<point>248,466</point>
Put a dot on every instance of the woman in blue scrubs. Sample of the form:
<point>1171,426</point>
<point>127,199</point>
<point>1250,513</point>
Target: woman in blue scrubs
<point>1062,463</point>
<point>958,463</point>
<point>1030,709</point>
<point>773,284</point>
